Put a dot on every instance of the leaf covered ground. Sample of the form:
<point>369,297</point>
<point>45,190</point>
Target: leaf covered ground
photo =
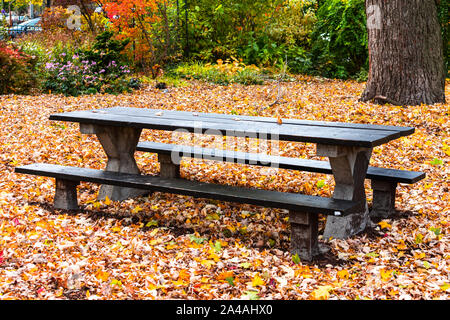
<point>166,246</point>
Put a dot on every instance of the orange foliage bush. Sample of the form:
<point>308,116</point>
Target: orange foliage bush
<point>133,19</point>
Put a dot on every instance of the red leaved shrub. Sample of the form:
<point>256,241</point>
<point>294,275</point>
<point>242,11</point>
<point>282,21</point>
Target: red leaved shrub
<point>16,70</point>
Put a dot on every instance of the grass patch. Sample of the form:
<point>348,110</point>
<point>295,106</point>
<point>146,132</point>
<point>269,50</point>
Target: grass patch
<point>223,73</point>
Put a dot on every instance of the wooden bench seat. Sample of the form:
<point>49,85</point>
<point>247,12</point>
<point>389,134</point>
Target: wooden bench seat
<point>303,209</point>
<point>384,180</point>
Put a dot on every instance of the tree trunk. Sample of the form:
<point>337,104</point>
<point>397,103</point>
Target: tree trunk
<point>406,64</point>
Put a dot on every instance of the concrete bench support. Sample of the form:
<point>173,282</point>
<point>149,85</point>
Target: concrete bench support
<point>304,232</point>
<point>383,204</point>
<point>119,144</point>
<point>66,194</point>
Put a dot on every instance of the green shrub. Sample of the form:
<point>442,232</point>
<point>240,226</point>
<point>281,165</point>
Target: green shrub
<point>105,51</point>
<point>292,23</point>
<point>260,32</point>
<point>261,50</point>
<point>217,28</point>
<point>16,70</point>
<point>339,48</point>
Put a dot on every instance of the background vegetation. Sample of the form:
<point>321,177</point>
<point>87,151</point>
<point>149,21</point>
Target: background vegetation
<point>220,41</point>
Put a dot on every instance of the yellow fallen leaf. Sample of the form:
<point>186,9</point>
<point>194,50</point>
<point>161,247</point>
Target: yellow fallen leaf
<point>257,281</point>
<point>393,292</point>
<point>107,201</point>
<point>402,245</point>
<point>42,224</point>
<point>155,242</point>
<point>343,274</point>
<point>97,204</point>
<point>207,263</point>
<point>419,256</point>
<point>116,282</point>
<point>179,283</point>
<point>322,292</point>
<point>385,274</point>
<point>384,225</point>
<point>136,210</point>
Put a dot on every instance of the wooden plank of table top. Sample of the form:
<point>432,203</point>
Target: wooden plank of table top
<point>262,130</point>
<point>200,116</point>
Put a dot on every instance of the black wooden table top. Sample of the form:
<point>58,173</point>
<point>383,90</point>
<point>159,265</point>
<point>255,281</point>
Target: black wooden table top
<point>334,133</point>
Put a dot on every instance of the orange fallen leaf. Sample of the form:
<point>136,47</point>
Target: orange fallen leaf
<point>225,274</point>
<point>279,120</point>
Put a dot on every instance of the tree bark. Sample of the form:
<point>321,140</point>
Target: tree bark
<point>406,63</point>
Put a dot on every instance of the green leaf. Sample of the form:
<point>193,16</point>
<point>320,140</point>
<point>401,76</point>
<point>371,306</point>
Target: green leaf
<point>320,184</point>
<point>296,259</point>
<point>272,242</point>
<point>217,246</point>
<point>152,223</point>
<point>195,239</point>
<point>437,231</point>
<point>213,216</point>
<point>372,254</point>
<point>419,238</point>
<point>436,162</point>
<point>230,280</point>
<point>252,295</point>
<point>116,282</point>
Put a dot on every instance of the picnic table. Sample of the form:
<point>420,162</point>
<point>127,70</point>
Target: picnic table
<point>348,147</point>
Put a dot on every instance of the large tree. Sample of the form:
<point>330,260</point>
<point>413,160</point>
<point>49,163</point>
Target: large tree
<point>406,64</point>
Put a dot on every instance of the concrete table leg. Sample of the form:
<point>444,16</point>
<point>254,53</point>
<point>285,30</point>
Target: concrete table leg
<point>383,204</point>
<point>66,195</point>
<point>119,144</point>
<point>349,166</point>
<point>304,233</point>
